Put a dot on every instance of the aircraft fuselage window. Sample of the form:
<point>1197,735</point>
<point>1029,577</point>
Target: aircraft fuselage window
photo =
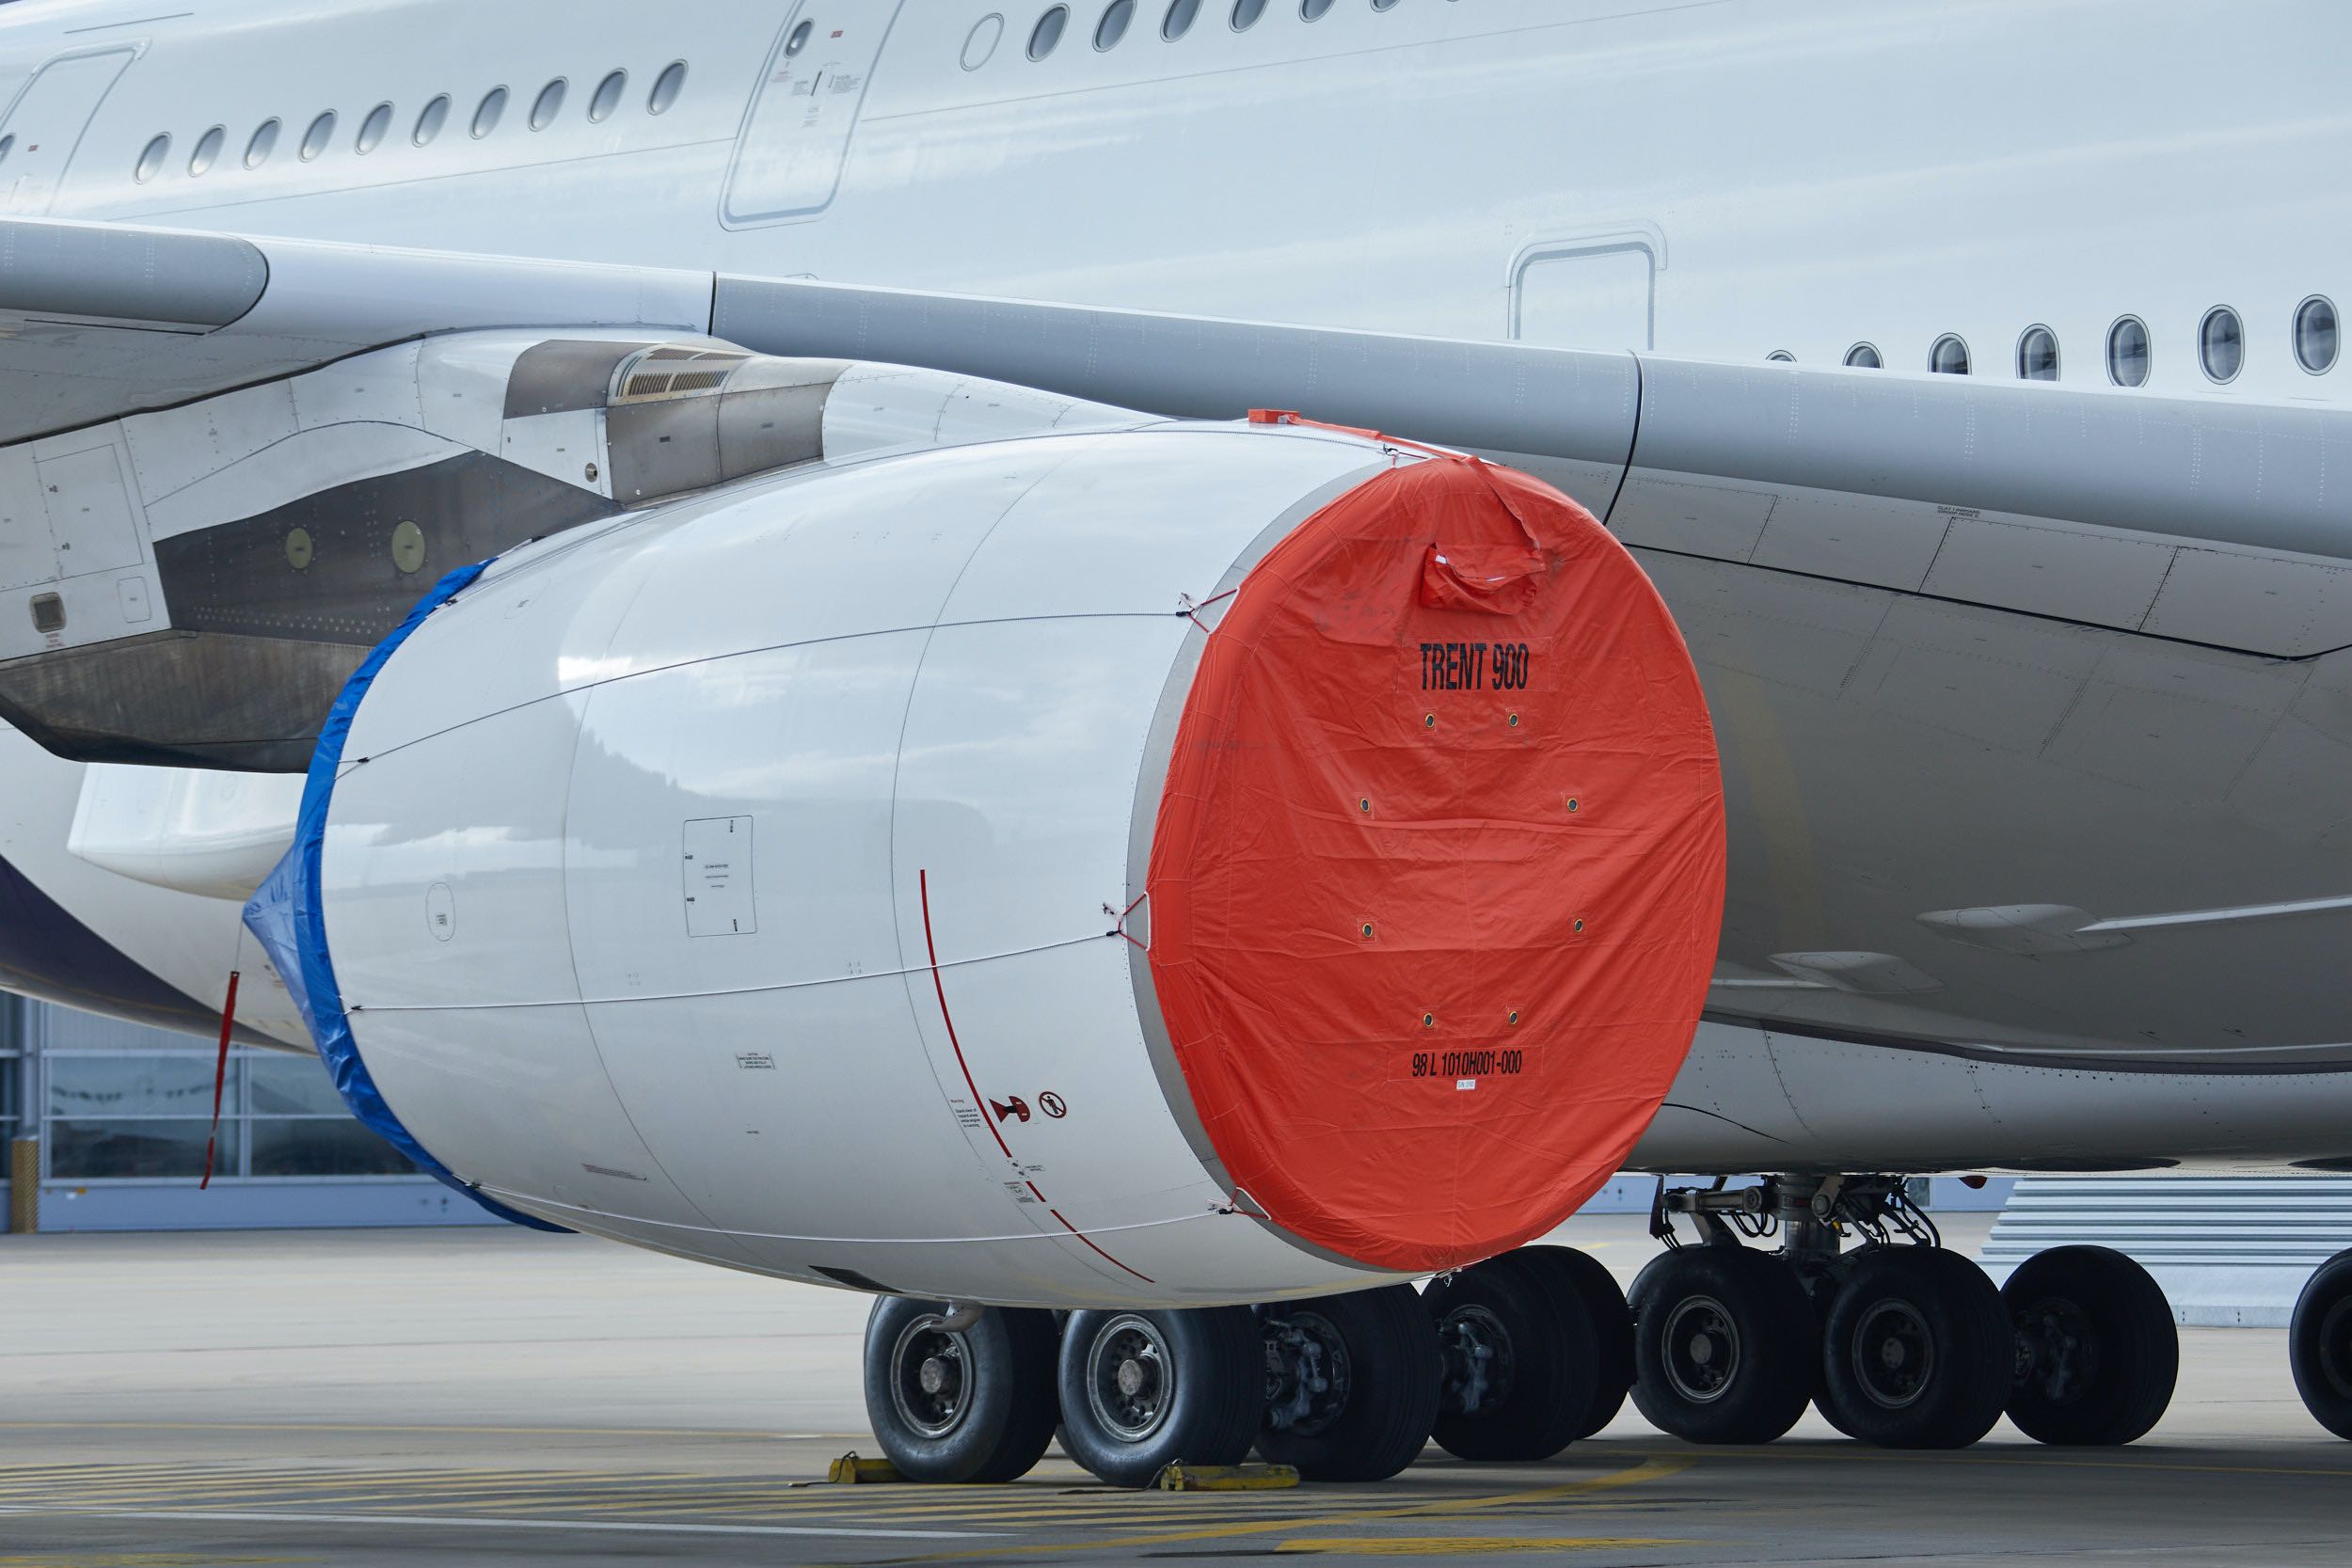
<point>1949,357</point>
<point>799,40</point>
<point>1862,357</point>
<point>2221,345</point>
<point>666,88</point>
<point>1781,356</point>
<point>151,159</point>
<point>485,116</point>
<point>1312,10</point>
<point>314,140</point>
<point>207,150</point>
<point>548,105</point>
<point>2127,352</point>
<point>1246,14</point>
<point>1178,22</point>
<point>7,145</point>
<point>608,97</point>
<point>430,121</point>
<point>265,141</point>
<point>1047,33</point>
<point>373,129</point>
<point>2037,354</point>
<point>1383,4</point>
<point>1113,26</point>
<point>2316,334</point>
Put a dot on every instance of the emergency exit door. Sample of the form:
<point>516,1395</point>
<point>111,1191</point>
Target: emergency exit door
<point>45,123</point>
<point>796,133</point>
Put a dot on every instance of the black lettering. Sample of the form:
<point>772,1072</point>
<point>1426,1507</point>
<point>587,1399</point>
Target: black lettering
<point>1478,666</point>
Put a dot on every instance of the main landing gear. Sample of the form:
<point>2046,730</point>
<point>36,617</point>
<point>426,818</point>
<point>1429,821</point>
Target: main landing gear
<point>1898,1342</point>
<point>1510,1359</point>
<point>2319,1344</point>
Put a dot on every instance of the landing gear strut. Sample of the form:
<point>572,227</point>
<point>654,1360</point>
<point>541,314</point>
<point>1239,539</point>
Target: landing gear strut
<point>1899,1343</point>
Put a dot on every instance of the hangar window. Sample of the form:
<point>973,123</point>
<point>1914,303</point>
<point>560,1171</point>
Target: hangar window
<point>151,159</point>
<point>1246,14</point>
<point>1113,26</point>
<point>799,40</point>
<point>485,115</point>
<point>207,151</point>
<point>666,88</point>
<point>314,140</point>
<point>1047,33</point>
<point>373,129</point>
<point>1949,357</point>
<point>1178,22</point>
<point>2221,345</point>
<point>1781,356</point>
<point>2037,354</point>
<point>264,142</point>
<point>2316,334</point>
<point>548,106</point>
<point>608,97</point>
<point>1312,9</point>
<point>1863,357</point>
<point>429,123</point>
<point>2127,352</point>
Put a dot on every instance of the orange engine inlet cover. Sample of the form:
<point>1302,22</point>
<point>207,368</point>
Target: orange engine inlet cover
<point>1437,873</point>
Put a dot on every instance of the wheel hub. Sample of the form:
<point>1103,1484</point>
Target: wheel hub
<point>1306,1372</point>
<point>1131,1378</point>
<point>2058,1349</point>
<point>1480,1362</point>
<point>1893,1354</point>
<point>929,1377</point>
<point>1702,1345</point>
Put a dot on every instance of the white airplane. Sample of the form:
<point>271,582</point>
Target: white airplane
<point>1003,756</point>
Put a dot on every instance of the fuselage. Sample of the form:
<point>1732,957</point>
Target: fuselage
<point>1729,181</point>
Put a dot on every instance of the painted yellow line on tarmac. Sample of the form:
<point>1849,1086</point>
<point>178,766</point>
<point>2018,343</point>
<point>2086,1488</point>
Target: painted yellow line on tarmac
<point>464,1522</point>
<point>1469,1545</point>
<point>2037,1458</point>
<point>436,1429</point>
<point>1652,1467</point>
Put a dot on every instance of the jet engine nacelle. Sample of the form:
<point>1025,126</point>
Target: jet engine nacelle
<point>1173,865</point>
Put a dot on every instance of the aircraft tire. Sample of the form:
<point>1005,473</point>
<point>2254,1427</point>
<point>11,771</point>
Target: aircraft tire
<point>1141,1390</point>
<point>1518,1359</point>
<point>1917,1351</point>
<point>1378,1353</point>
<point>975,1405</point>
<point>1612,1321</point>
<point>2319,1344</point>
<point>2098,1353</point>
<point>1725,1348</point>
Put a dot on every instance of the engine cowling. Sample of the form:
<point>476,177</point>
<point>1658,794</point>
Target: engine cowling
<point>1181,863</point>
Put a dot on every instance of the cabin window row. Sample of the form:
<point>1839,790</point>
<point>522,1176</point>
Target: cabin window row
<point>2221,347</point>
<point>373,130</point>
<point>1110,28</point>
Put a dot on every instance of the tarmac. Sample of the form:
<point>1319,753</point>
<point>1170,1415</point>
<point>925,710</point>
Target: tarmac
<point>471,1396</point>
